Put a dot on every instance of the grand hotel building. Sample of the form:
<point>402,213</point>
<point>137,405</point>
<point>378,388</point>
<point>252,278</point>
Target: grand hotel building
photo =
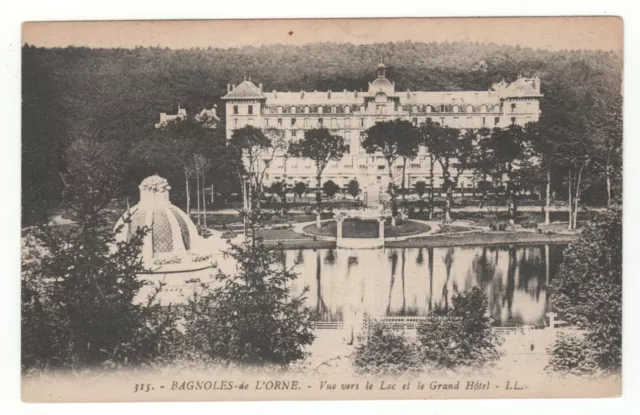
<point>350,113</point>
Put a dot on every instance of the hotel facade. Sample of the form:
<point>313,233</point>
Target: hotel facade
<point>350,113</point>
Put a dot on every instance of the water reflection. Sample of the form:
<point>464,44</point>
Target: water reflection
<point>404,282</point>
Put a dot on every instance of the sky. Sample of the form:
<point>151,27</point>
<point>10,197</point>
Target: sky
<point>554,33</point>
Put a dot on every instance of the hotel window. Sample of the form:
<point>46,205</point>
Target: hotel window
<point>294,134</point>
<point>250,121</point>
<point>414,109</point>
<point>235,110</point>
<point>279,122</point>
<point>265,122</point>
<point>320,122</point>
<point>334,123</point>
<point>306,110</point>
<point>361,122</point>
<point>279,110</point>
<point>292,110</point>
<point>348,149</point>
<point>362,108</point>
<point>513,107</point>
<point>415,165</point>
<point>250,110</point>
<point>443,108</point>
<point>496,121</point>
<point>484,121</point>
<point>455,108</point>
<point>306,123</point>
<point>470,122</point>
<point>293,122</point>
<point>483,108</point>
<point>469,108</point>
<point>428,108</point>
<point>513,120</point>
<point>347,109</point>
<point>347,123</point>
<point>456,122</point>
<point>235,123</point>
<point>415,121</point>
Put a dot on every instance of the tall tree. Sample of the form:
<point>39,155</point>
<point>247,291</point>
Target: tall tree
<point>393,139</point>
<point>452,151</point>
<point>587,291</point>
<point>320,146</point>
<point>258,150</point>
<point>508,152</point>
<point>78,295</point>
<point>480,163</point>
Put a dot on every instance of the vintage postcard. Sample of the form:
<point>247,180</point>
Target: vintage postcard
<point>425,208</point>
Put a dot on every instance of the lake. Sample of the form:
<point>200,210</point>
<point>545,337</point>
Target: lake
<point>413,281</point>
<point>344,283</point>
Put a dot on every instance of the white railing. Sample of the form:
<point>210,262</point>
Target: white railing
<point>328,325</point>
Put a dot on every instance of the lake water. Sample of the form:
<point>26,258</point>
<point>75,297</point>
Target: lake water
<point>413,281</point>
<point>344,283</point>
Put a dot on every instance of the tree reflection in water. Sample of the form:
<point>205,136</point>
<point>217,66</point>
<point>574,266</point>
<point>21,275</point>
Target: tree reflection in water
<point>513,277</point>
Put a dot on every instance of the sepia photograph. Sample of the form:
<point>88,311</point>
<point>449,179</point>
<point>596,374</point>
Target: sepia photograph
<point>321,209</point>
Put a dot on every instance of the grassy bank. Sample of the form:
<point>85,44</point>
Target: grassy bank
<point>481,238</point>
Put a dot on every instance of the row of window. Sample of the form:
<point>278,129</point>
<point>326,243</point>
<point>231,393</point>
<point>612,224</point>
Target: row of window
<point>456,122</point>
<point>353,108</point>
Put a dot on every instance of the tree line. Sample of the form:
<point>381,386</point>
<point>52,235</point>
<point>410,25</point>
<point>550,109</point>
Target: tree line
<point>116,95</point>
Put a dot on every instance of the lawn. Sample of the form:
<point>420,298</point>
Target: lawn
<point>278,234</point>
<point>356,228</point>
<point>482,238</point>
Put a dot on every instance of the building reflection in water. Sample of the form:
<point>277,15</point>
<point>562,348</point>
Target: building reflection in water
<point>402,282</point>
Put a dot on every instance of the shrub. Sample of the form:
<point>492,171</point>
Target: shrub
<point>460,336</point>
<point>386,353</point>
<point>587,291</point>
<point>308,210</point>
<point>529,224</point>
<point>500,226</point>
<point>571,355</point>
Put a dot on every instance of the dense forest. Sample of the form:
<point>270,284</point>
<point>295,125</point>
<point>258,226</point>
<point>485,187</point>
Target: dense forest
<point>116,95</point>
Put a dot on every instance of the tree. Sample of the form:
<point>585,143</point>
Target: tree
<point>462,336</point>
<point>429,131</point>
<point>452,152</point>
<point>353,188</point>
<point>270,326</point>
<point>300,188</point>
<point>587,291</point>
<point>388,138</point>
<point>330,188</point>
<point>480,162</point>
<point>508,153</point>
<point>320,146</point>
<point>421,188</point>
<point>279,188</point>
<point>78,292</point>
